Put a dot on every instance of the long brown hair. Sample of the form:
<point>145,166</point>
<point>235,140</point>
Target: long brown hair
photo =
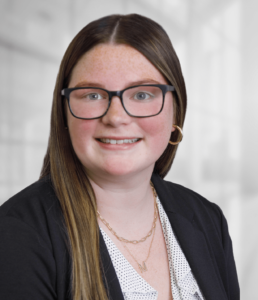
<point>68,176</point>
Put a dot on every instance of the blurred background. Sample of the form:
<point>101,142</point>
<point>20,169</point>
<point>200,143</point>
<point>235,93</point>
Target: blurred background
<point>217,44</point>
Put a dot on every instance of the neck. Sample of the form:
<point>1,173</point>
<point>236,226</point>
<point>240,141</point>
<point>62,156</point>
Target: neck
<point>126,203</point>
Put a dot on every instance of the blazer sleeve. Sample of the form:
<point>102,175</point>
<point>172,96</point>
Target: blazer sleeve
<point>27,265</point>
<point>234,291</point>
<point>233,285</point>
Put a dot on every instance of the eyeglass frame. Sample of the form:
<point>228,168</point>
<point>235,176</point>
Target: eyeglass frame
<point>164,88</point>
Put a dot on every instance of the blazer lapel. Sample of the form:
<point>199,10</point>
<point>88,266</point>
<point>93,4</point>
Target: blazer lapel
<point>109,274</point>
<point>192,242</point>
<point>195,248</point>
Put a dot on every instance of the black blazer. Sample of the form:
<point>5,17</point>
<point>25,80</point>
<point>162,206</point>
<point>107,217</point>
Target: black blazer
<point>34,251</point>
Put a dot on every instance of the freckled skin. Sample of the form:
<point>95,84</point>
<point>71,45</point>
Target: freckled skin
<point>116,67</point>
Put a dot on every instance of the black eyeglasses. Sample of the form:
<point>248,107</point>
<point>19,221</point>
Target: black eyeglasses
<point>139,101</point>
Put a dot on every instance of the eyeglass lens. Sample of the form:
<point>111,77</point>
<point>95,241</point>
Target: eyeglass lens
<point>141,101</point>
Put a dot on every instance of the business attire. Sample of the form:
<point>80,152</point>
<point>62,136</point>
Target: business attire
<point>133,286</point>
<point>34,251</point>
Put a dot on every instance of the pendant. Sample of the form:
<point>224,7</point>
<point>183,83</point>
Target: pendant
<point>143,267</point>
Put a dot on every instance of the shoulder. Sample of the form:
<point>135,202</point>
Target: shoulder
<point>192,199</point>
<point>35,209</point>
<point>183,197</point>
<point>186,202</point>
<point>39,193</point>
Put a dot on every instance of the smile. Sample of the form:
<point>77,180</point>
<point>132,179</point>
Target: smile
<point>113,142</point>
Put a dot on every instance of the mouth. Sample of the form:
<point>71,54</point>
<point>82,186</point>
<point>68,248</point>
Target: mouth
<point>119,141</point>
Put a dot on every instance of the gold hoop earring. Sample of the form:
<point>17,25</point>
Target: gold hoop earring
<point>181,137</point>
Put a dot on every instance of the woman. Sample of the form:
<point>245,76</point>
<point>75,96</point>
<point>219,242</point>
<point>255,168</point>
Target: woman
<point>101,222</point>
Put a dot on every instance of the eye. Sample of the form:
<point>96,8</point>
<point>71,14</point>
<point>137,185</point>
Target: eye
<point>142,96</point>
<point>94,96</point>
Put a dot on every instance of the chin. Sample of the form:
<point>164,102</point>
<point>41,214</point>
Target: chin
<point>120,170</point>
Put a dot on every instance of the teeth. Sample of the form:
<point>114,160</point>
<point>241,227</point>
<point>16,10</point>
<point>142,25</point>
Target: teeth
<point>126,141</point>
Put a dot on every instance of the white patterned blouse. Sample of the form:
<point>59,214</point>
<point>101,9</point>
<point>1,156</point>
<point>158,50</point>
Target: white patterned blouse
<point>134,287</point>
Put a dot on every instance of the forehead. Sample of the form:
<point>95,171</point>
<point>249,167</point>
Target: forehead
<point>114,65</point>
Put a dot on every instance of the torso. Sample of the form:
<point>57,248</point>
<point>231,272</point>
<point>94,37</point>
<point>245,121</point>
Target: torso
<point>158,274</point>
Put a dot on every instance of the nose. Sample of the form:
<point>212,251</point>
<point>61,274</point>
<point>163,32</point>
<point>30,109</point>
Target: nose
<point>116,114</point>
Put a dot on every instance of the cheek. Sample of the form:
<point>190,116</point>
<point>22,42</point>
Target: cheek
<point>157,131</point>
<point>80,133</point>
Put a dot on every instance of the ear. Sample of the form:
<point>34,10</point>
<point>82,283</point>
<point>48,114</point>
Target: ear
<point>173,128</point>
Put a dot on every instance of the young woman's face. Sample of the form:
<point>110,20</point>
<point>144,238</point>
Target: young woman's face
<point>116,67</point>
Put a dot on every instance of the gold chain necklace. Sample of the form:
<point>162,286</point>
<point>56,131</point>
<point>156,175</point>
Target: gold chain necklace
<point>142,267</point>
<point>121,239</point>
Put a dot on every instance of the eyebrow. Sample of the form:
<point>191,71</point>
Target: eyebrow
<point>86,84</point>
<point>132,83</point>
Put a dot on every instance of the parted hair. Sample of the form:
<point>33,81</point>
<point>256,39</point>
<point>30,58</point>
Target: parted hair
<point>68,176</point>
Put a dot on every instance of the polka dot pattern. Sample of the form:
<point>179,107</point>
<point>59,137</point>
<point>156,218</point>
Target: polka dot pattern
<point>183,283</point>
<point>134,287</point>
